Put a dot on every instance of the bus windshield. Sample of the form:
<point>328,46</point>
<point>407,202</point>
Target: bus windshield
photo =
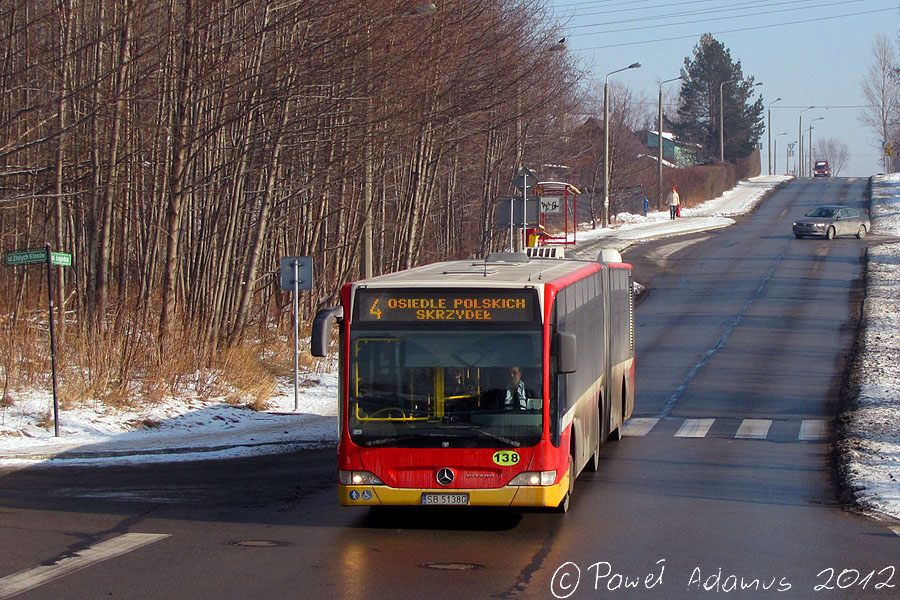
<point>445,389</point>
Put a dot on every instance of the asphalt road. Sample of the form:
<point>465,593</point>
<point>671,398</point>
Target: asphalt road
<point>725,484</point>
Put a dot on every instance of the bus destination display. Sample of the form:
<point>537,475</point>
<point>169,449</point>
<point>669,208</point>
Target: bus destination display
<point>446,305</point>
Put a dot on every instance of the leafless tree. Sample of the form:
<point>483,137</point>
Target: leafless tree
<point>835,151</point>
<point>881,88</point>
<point>177,149</point>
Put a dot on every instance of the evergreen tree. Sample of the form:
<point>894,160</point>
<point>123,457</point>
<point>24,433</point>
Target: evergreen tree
<point>698,113</point>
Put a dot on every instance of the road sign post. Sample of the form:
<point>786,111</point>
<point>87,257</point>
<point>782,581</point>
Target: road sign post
<point>296,275</point>
<point>62,259</point>
<point>49,259</point>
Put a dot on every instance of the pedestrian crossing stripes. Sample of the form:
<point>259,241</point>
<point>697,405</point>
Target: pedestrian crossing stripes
<point>695,428</point>
<point>807,430</point>
<point>753,429</point>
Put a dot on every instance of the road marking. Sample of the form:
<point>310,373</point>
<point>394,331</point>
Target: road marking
<point>639,427</point>
<point>735,322</point>
<point>753,429</point>
<point>28,579</point>
<point>811,430</point>
<point>694,428</point>
<point>664,252</point>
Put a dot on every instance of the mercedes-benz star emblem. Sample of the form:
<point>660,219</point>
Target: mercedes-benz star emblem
<point>445,476</point>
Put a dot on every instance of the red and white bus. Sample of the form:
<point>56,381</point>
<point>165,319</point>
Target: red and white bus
<point>482,383</point>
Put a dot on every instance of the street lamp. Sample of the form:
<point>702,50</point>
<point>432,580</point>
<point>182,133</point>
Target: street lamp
<point>775,147</point>
<point>369,175</point>
<point>636,65</point>
<point>800,141</point>
<point>809,163</point>
<point>769,131</point>
<point>722,117</point>
<point>660,140</point>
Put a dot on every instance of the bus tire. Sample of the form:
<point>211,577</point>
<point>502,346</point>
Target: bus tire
<point>617,434</point>
<point>594,462</point>
<point>563,506</point>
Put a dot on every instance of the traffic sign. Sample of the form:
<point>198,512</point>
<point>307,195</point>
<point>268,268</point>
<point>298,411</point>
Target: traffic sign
<point>61,259</point>
<point>524,177</point>
<point>304,273</point>
<point>509,212</point>
<point>25,257</point>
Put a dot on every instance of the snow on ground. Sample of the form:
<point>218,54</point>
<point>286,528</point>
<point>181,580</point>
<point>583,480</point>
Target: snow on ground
<point>872,445</point>
<point>192,429</point>
<point>628,228</point>
<point>176,429</point>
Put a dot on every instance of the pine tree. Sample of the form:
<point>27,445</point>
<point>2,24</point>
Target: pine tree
<point>698,114</point>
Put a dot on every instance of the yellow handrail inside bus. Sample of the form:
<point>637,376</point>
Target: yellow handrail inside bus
<point>404,417</point>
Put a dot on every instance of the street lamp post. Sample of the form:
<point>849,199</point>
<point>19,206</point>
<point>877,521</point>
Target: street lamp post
<point>636,65</point>
<point>722,117</point>
<point>775,148</point>
<point>809,163</point>
<point>369,175</point>
<point>800,142</point>
<point>769,131</point>
<point>660,140</point>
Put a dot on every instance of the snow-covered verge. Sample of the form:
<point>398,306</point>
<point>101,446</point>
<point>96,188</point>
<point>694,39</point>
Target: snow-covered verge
<point>871,448</point>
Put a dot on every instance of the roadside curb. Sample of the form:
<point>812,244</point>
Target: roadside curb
<point>76,454</point>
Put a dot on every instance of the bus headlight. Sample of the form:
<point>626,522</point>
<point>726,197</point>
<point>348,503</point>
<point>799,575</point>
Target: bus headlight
<point>534,478</point>
<point>358,478</point>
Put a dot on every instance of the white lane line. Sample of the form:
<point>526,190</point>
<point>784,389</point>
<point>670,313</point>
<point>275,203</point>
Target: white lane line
<point>811,430</point>
<point>694,428</point>
<point>639,427</point>
<point>28,579</point>
<point>753,429</point>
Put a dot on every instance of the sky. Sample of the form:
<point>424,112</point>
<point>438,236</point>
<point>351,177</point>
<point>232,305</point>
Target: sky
<point>186,427</point>
<point>807,52</point>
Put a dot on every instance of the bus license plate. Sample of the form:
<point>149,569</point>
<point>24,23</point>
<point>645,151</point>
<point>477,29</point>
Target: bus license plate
<point>445,499</point>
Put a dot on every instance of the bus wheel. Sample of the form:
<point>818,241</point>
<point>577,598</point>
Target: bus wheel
<point>564,504</point>
<point>616,435</point>
<point>594,462</point>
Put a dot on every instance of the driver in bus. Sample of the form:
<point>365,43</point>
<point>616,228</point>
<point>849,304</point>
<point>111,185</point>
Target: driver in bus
<point>516,398</point>
<point>456,385</point>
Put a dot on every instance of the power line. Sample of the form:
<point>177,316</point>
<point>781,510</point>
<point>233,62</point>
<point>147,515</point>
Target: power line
<point>741,6</point>
<point>753,28</point>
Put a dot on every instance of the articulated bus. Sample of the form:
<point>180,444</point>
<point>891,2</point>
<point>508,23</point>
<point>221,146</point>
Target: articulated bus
<point>483,382</point>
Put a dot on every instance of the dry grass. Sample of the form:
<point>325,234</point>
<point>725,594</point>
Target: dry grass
<point>127,371</point>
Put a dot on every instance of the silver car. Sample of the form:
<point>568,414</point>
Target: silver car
<point>832,221</point>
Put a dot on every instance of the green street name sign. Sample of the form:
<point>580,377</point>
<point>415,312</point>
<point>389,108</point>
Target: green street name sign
<point>24,257</point>
<point>61,259</point>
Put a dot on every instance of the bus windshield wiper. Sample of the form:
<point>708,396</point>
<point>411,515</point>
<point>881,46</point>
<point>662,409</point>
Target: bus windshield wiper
<point>403,438</point>
<point>498,437</point>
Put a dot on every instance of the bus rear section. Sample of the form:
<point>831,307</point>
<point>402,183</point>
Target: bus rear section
<point>458,386</point>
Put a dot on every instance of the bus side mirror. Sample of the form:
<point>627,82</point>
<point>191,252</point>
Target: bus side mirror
<point>567,349</point>
<point>321,330</point>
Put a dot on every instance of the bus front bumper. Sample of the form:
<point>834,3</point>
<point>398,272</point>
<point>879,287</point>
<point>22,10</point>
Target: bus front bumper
<point>521,496</point>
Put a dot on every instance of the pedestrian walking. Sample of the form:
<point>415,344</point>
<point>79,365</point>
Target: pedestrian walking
<point>674,202</point>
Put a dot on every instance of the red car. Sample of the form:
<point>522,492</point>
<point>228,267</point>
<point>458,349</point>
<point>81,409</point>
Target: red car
<point>821,169</point>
